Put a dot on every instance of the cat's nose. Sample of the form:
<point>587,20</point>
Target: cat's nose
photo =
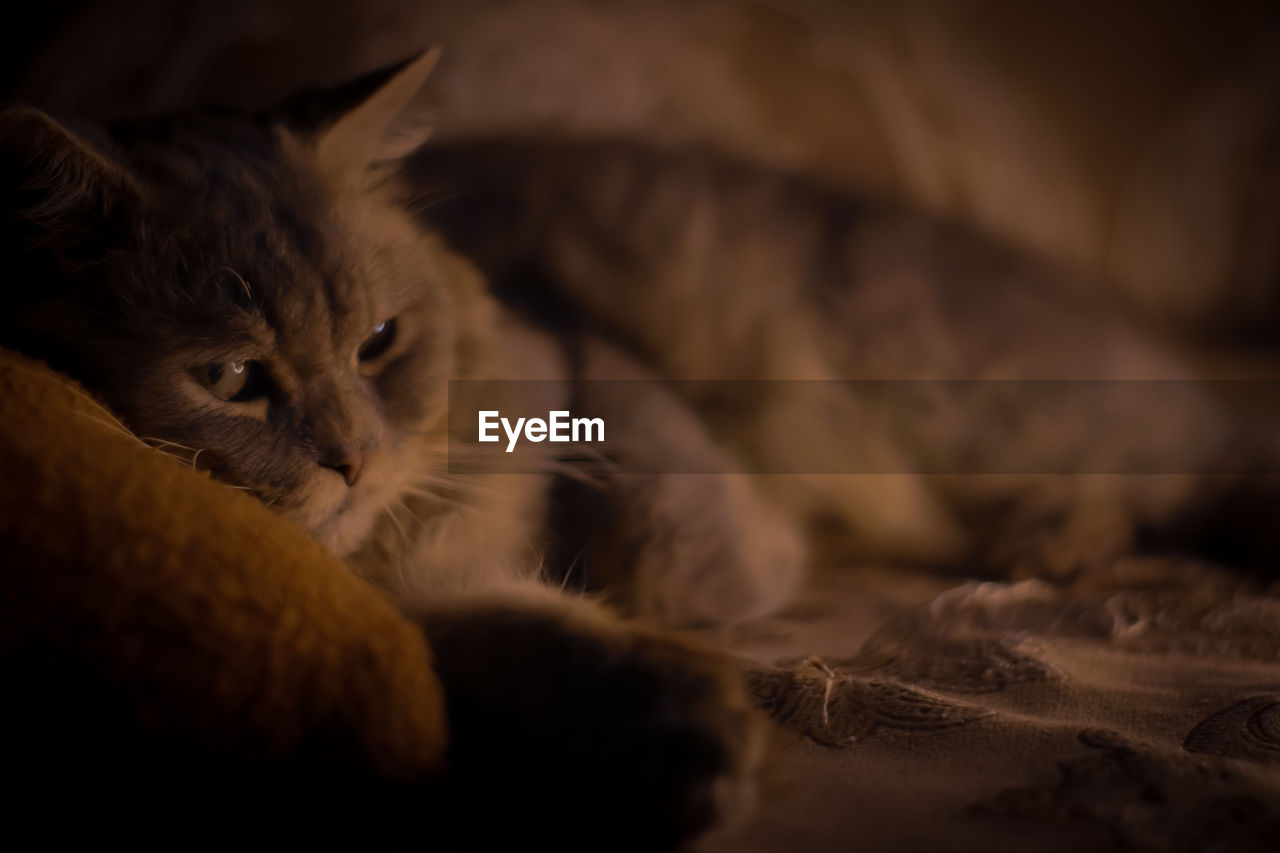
<point>347,461</point>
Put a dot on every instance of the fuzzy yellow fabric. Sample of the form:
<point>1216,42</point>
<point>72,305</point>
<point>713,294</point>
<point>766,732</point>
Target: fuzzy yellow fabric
<point>169,646</point>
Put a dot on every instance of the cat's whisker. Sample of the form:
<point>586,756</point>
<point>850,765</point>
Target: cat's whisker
<point>404,504</point>
<point>396,555</point>
<point>473,483</point>
<point>163,446</point>
<point>568,572</point>
<point>248,291</point>
<point>443,471</point>
<point>539,559</point>
<point>160,446</point>
<point>112,421</point>
<point>161,442</point>
<point>404,534</point>
<point>425,203</point>
<point>486,461</point>
<point>454,498</point>
<point>587,472</point>
<point>111,426</point>
<point>187,457</point>
<point>175,457</point>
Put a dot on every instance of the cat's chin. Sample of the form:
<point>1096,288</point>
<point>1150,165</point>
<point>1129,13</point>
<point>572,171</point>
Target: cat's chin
<point>350,523</point>
<point>343,531</point>
<point>342,519</point>
<point>331,519</point>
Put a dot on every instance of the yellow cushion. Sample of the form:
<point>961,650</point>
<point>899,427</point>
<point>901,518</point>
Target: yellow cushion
<point>147,610</point>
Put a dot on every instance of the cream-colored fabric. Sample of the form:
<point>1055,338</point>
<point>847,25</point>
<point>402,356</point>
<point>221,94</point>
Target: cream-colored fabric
<point>926,713</point>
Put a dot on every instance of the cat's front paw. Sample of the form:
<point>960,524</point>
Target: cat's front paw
<point>591,733</point>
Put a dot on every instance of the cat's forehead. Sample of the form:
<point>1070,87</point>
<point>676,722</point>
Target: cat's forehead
<point>229,188</point>
<point>232,223</point>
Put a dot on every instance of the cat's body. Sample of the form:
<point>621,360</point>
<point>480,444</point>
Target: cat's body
<point>259,298</point>
<point>1009,417</point>
<point>253,297</point>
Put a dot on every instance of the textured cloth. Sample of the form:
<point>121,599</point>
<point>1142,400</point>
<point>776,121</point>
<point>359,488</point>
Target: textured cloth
<point>169,646</point>
<point>927,713</point>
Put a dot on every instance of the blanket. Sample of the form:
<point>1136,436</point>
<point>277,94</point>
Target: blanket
<point>932,713</point>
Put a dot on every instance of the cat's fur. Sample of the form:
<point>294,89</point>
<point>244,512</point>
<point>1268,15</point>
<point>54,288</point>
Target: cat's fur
<point>140,256</point>
<point>774,277</point>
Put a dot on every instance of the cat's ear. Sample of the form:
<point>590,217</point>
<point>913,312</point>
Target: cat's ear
<point>59,191</point>
<point>369,120</point>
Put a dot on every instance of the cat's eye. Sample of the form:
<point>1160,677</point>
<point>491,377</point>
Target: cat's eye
<point>376,345</point>
<point>233,381</point>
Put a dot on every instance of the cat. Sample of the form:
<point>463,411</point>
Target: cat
<point>282,300</point>
<point>251,294</point>
<point>932,396</point>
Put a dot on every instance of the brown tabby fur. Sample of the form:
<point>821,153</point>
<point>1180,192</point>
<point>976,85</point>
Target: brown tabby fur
<point>140,255</point>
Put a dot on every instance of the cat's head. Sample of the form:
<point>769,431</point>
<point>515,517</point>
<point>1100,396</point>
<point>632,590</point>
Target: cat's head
<point>250,290</point>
